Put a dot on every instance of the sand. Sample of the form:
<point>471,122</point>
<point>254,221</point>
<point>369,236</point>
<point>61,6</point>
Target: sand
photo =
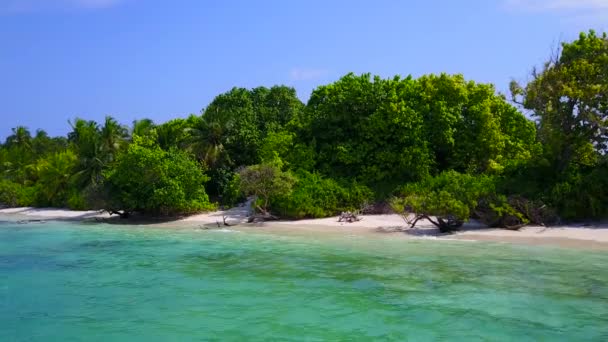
<point>587,237</point>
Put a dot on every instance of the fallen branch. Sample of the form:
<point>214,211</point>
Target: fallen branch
<point>348,217</point>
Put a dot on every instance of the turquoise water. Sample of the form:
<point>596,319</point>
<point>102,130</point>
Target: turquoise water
<point>74,282</point>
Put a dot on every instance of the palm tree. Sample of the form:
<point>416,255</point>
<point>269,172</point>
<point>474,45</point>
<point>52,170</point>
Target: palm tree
<point>54,174</point>
<point>21,137</point>
<point>205,141</point>
<point>113,138</point>
<point>142,127</point>
<point>19,155</point>
<point>85,140</point>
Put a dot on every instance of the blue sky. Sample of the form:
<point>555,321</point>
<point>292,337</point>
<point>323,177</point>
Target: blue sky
<point>162,59</point>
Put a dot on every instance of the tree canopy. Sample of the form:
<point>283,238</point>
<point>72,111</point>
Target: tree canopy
<point>439,144</point>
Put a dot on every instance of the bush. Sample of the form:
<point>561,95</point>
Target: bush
<point>76,201</point>
<point>9,193</point>
<point>231,192</point>
<point>313,196</point>
<point>497,211</point>
<point>452,198</point>
<point>149,180</point>
<point>583,194</point>
<point>265,182</point>
<point>16,195</point>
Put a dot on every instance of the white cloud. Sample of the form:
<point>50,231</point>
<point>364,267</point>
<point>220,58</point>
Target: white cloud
<point>557,5</point>
<point>582,14</point>
<point>306,74</point>
<point>20,6</point>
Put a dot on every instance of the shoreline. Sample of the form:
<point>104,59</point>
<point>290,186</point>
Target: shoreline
<point>594,237</point>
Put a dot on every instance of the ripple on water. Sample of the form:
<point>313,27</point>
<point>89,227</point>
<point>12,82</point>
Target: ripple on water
<point>112,283</point>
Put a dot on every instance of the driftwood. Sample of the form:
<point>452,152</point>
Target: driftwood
<point>224,222</point>
<point>446,224</point>
<point>31,221</point>
<point>123,214</point>
<point>348,217</point>
<point>261,217</point>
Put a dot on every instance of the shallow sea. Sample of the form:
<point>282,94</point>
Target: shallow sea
<point>97,282</point>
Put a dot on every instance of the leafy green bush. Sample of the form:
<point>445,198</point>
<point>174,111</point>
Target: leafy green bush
<point>17,195</point>
<point>76,201</point>
<point>265,181</point>
<point>149,180</point>
<point>582,194</point>
<point>231,192</point>
<point>452,198</point>
<point>9,193</point>
<point>497,211</point>
<point>314,196</point>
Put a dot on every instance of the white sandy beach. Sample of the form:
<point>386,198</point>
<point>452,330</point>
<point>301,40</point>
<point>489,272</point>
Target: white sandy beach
<point>592,237</point>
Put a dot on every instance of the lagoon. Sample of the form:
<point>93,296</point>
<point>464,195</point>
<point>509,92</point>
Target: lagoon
<point>97,282</point>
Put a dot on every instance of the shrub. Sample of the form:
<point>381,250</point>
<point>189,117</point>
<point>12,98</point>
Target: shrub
<point>231,192</point>
<point>452,198</point>
<point>9,193</point>
<point>149,180</point>
<point>16,195</point>
<point>314,196</point>
<point>265,181</point>
<point>583,194</point>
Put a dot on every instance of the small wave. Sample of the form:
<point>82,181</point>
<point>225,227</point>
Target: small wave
<point>224,230</point>
<point>439,238</point>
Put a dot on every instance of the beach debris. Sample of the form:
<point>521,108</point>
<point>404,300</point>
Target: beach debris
<point>123,214</point>
<point>446,224</point>
<point>30,221</point>
<point>261,217</point>
<point>224,217</point>
<point>347,216</point>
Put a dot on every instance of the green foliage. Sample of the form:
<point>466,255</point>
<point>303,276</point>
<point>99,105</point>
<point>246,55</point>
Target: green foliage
<point>55,173</point>
<point>497,211</point>
<point>488,160</point>
<point>265,181</point>
<point>77,201</point>
<point>16,195</point>
<point>458,197</point>
<point>569,97</point>
<point>365,130</point>
<point>391,131</point>
<point>149,180</point>
<point>9,193</point>
<point>231,192</point>
<point>244,118</point>
<point>582,194</point>
<point>315,196</point>
<point>450,194</point>
<point>95,147</point>
<point>171,134</point>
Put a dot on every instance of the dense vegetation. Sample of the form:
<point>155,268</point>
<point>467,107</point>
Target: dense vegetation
<point>438,145</point>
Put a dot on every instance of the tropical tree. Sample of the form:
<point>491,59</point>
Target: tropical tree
<point>244,118</point>
<point>569,98</point>
<point>21,138</point>
<point>171,134</point>
<point>205,140</point>
<point>363,128</point>
<point>265,181</point>
<point>85,140</point>
<point>113,137</point>
<point>54,177</point>
<point>142,127</point>
<point>148,180</point>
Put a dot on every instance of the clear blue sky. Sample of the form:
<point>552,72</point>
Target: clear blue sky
<point>164,59</point>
